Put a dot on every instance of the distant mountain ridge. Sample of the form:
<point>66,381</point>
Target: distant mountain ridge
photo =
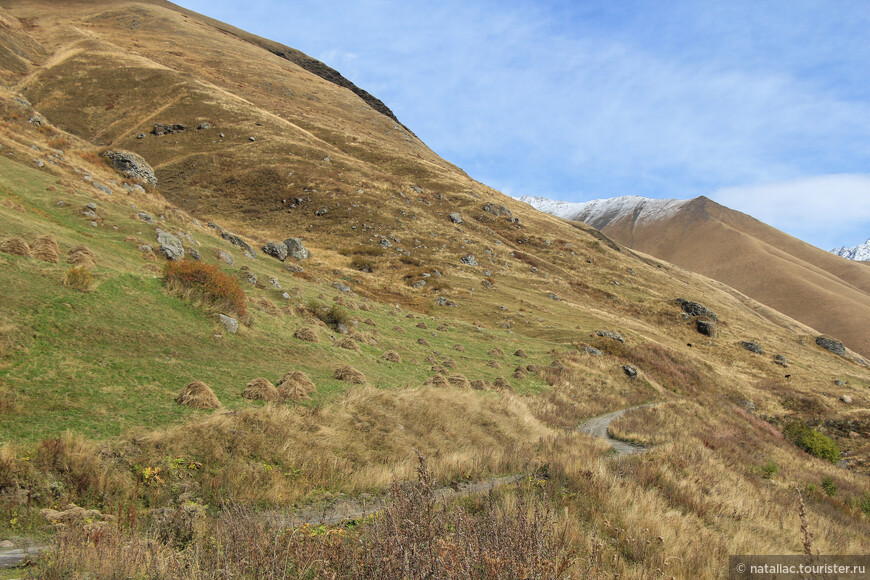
<point>787,274</point>
<point>859,253</point>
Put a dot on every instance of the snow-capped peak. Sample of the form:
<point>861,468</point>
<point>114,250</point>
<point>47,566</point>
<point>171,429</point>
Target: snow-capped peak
<point>860,253</point>
<point>600,212</point>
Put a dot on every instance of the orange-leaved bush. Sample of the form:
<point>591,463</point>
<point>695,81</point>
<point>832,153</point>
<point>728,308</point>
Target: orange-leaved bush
<point>207,283</point>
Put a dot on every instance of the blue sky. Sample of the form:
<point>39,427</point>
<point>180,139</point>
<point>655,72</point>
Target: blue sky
<point>761,106</point>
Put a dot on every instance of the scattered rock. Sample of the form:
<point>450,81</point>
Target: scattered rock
<point>707,327</point>
<point>296,249</point>
<point>237,241</point>
<point>102,188</point>
<point>748,405</point>
<point>497,209</point>
<point>170,245</point>
<point>455,218</point>
<point>592,350</point>
<point>780,360</point>
<point>831,344</point>
<point>132,165</point>
<point>225,256</point>
<point>608,334</point>
<point>231,324</point>
<point>752,346</point>
<point>442,301</point>
<point>145,217</point>
<point>846,399</point>
<point>386,243</point>
<point>418,284</point>
<point>203,126</point>
<point>695,308</point>
<point>194,254</point>
<point>469,260</point>
<point>630,371</point>
<point>552,296</point>
<point>161,129</point>
<point>276,250</point>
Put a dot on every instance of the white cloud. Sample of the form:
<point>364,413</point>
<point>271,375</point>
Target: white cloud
<point>827,210</point>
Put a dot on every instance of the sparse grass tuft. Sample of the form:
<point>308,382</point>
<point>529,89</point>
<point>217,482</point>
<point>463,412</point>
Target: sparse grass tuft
<point>79,278</point>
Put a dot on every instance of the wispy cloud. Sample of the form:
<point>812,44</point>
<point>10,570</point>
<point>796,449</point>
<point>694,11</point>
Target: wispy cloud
<point>576,100</point>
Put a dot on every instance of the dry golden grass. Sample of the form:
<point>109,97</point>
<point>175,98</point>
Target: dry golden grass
<point>198,395</point>
<point>261,389</point>
<point>15,246</point>
<point>79,278</point>
<point>45,248</point>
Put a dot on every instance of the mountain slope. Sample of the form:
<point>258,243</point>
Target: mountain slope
<point>804,282</point>
<point>860,253</point>
<point>484,331</point>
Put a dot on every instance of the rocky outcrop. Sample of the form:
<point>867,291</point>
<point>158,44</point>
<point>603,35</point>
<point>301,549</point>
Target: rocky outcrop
<point>831,344</point>
<point>170,245</point>
<point>161,129</point>
<point>276,250</point>
<point>752,346</point>
<point>695,308</point>
<point>237,241</point>
<point>707,327</point>
<point>132,165</point>
<point>296,249</point>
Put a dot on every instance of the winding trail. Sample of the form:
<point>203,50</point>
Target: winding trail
<point>346,509</point>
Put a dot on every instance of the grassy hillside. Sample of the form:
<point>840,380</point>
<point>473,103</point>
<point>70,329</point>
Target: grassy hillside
<point>89,373</point>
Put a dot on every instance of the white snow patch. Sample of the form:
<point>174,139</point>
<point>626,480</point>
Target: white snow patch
<point>860,253</point>
<point>600,212</point>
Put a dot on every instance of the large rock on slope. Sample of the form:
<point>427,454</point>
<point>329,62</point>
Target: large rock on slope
<point>296,249</point>
<point>132,165</point>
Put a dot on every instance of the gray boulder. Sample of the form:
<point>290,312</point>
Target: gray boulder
<point>296,249</point>
<point>442,301</point>
<point>831,344</point>
<point>170,245</point>
<point>695,308</point>
<point>609,334</point>
<point>707,327</point>
<point>132,165</point>
<point>342,287</point>
<point>752,346</point>
<point>276,250</point>
<point>237,241</point>
<point>231,324</point>
<point>161,129</point>
<point>455,218</point>
<point>497,209</point>
<point>469,260</point>
<point>145,217</point>
<point>225,256</point>
<point>592,350</point>
<point>630,371</point>
<point>780,360</point>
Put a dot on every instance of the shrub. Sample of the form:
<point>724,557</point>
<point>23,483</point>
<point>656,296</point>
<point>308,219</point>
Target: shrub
<point>79,278</point>
<point>829,486</point>
<point>812,441</point>
<point>332,315</point>
<point>207,283</point>
<point>769,469</point>
<point>362,264</point>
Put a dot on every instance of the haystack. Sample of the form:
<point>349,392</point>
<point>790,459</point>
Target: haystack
<point>260,389</point>
<point>349,374</point>
<point>430,360</point>
<point>495,352</point>
<point>449,363</point>
<point>45,248</point>
<point>459,381</point>
<point>348,343</point>
<point>501,384</point>
<point>306,334</point>
<point>443,328</point>
<point>423,341</point>
<point>369,321</point>
<point>436,381</point>
<point>422,325</point>
<point>359,337</point>
<point>16,246</point>
<point>458,348</point>
<point>438,369</point>
<point>520,353</point>
<point>295,385</point>
<point>481,385</point>
<point>7,203</point>
<point>268,306</point>
<point>520,373</point>
<point>199,396</point>
<point>82,256</point>
<point>399,329</point>
<point>391,356</point>
<point>532,368</point>
<point>493,363</point>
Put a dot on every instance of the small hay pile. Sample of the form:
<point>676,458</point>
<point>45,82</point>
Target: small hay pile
<point>520,353</point>
<point>495,352</point>
<point>295,385</point>
<point>493,363</point>
<point>199,396</point>
<point>481,385</point>
<point>443,328</point>
<point>449,363</point>
<point>430,360</point>
<point>268,306</point>
<point>520,373</point>
<point>422,325</point>
<point>339,300</point>
<point>45,248</point>
<point>438,369</point>
<point>369,321</point>
<point>365,308</point>
<point>502,385</point>
<point>459,381</point>
<point>349,374</point>
<point>305,333</point>
<point>532,368</point>
<point>348,343</point>
<point>359,337</point>
<point>458,348</point>
<point>399,329</point>
<point>437,381</point>
<point>16,246</point>
<point>261,389</point>
<point>423,341</point>
<point>391,356</point>
<point>82,256</point>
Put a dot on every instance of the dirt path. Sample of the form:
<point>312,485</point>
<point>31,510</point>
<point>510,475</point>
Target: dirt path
<point>597,426</point>
<point>345,509</point>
